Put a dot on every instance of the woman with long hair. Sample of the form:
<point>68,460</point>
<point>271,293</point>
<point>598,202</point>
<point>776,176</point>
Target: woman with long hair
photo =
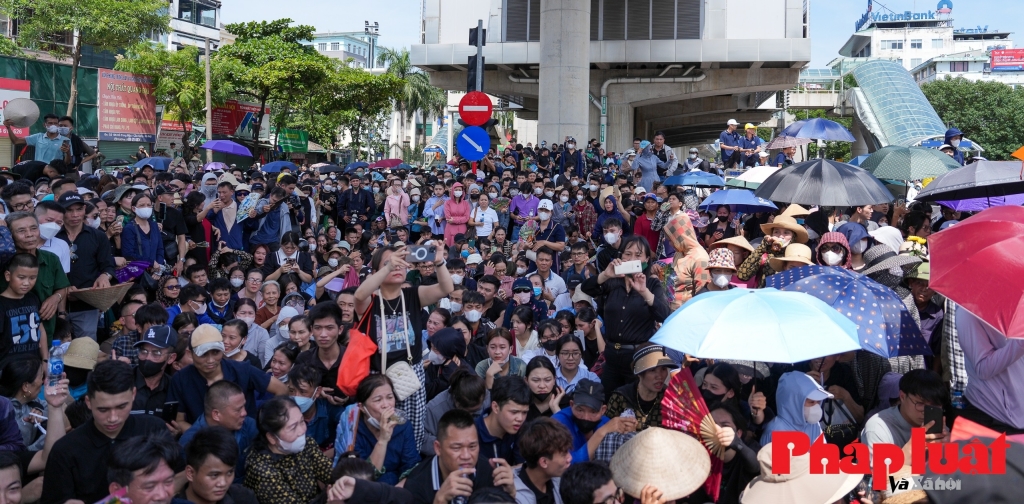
<point>284,465</point>
<point>499,361</point>
<point>456,213</point>
<point>383,437</point>
<point>545,393</point>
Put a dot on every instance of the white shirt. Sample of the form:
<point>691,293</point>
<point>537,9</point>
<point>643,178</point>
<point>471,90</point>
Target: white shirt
<point>556,286</point>
<point>60,249</point>
<point>487,217</point>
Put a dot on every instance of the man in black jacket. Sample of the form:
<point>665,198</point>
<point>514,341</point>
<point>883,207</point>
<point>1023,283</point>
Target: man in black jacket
<point>355,202</point>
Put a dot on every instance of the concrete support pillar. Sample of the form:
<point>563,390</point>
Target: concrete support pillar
<point>564,70</point>
<point>860,146</point>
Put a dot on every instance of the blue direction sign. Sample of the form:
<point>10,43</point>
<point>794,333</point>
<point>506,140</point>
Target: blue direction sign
<point>473,143</point>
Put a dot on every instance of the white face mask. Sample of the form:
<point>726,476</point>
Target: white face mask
<point>537,190</point>
<point>575,183</point>
<point>955,142</point>
<point>144,213</point>
<point>332,262</point>
<point>859,247</point>
<point>202,308</point>
<point>233,352</point>
<point>523,298</point>
<point>457,279</point>
<point>812,414</point>
<point>513,192</point>
<point>593,187</point>
<point>693,156</point>
<point>721,280</point>
<point>544,215</point>
<point>580,197</point>
<point>832,258</point>
<point>458,194</point>
<point>248,320</point>
<point>564,199</point>
<point>455,306</point>
<point>294,447</point>
<point>237,282</point>
<point>49,230</point>
<point>93,223</point>
<point>51,129</point>
<point>435,359</point>
<point>415,198</point>
<point>549,193</point>
<point>473,315</point>
<point>611,238</point>
<point>63,130</point>
<point>783,242</point>
<point>520,271</point>
<point>492,195</point>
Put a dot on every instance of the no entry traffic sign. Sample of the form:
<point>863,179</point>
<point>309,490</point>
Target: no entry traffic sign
<point>475,108</point>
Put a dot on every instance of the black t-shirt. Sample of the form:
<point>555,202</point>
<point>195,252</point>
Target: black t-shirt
<point>420,481</point>
<point>546,497</point>
<point>543,161</point>
<point>20,336</point>
<point>398,337</point>
<point>174,222</point>
<point>494,312</point>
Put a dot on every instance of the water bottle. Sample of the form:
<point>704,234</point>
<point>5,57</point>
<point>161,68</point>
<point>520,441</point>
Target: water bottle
<point>958,399</point>
<point>56,364</point>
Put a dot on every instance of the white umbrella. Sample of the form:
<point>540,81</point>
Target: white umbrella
<point>753,177</point>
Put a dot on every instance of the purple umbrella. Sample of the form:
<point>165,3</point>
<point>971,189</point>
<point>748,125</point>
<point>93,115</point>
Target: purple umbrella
<point>227,147</point>
<point>978,204</point>
<point>216,165</point>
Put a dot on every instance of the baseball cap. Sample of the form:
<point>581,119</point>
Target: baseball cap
<point>590,394</point>
<point>70,198</point>
<point>749,126</point>
<point>474,259</point>
<point>256,186</point>
<point>82,353</point>
<point>163,189</point>
<point>763,154</point>
<point>732,122</point>
<point>160,336</point>
<point>650,196</point>
<point>206,338</point>
<point>545,205</point>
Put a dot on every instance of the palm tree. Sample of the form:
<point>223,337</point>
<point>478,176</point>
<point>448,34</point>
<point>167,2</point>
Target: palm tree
<point>417,95</point>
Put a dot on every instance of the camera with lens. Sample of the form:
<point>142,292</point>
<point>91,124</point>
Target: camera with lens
<point>293,201</point>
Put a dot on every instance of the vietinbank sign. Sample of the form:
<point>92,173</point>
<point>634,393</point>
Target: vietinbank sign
<point>886,459</point>
<point>944,7</point>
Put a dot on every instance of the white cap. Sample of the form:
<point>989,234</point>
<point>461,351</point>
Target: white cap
<point>639,189</point>
<point>763,154</point>
<point>732,122</point>
<point>545,204</point>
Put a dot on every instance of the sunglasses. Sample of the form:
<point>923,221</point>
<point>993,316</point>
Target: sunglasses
<point>522,291</point>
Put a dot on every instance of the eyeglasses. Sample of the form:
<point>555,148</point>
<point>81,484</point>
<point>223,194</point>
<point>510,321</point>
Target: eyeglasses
<point>255,280</point>
<point>155,353</point>
<point>918,405</point>
<point>570,355</point>
<point>21,207</point>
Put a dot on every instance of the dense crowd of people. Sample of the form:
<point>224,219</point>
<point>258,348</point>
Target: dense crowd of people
<point>455,333</point>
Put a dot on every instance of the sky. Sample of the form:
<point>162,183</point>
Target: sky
<point>831,20</point>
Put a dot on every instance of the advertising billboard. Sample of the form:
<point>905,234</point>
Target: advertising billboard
<point>127,107</point>
<point>236,118</point>
<point>9,90</point>
<point>1008,60</point>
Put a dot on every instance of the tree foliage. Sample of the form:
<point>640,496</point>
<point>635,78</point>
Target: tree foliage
<point>273,63</point>
<point>417,94</point>
<point>106,25</point>
<point>833,150</point>
<point>179,79</point>
<point>990,113</point>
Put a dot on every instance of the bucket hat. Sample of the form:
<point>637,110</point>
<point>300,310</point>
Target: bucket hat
<point>786,222</point>
<point>795,252</point>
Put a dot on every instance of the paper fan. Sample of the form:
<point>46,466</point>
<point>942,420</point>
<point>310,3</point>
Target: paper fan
<point>683,409</point>
<point>249,203</point>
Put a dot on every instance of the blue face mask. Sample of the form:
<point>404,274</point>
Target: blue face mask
<point>465,254</point>
<point>304,403</point>
<point>536,291</point>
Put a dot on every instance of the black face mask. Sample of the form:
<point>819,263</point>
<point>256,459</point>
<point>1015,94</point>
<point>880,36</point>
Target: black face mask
<point>550,345</point>
<point>541,397</point>
<point>710,398</point>
<point>76,376</point>
<point>150,369</point>
<point>584,425</point>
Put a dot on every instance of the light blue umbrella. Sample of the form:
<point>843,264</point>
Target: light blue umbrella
<point>158,163</point>
<point>275,166</point>
<point>819,129</point>
<point>740,200</point>
<point>763,325</point>
<point>697,179</point>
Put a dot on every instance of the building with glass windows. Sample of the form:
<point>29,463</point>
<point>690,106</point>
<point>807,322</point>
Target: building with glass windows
<point>359,47</point>
<point>616,69</point>
<point>192,22</point>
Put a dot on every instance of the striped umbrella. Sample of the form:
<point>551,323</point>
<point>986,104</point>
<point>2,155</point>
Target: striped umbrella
<point>782,142</point>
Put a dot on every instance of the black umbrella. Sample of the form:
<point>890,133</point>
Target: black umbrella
<point>332,168</point>
<point>826,183</point>
<point>983,179</point>
<point>118,162</point>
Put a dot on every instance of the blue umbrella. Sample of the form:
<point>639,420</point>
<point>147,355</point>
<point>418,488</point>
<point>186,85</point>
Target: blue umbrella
<point>276,166</point>
<point>763,325</point>
<point>355,166</point>
<point>697,179</point>
<point>227,147</point>
<point>859,159</point>
<point>884,325</point>
<point>819,129</point>
<point>158,163</point>
<point>741,200</point>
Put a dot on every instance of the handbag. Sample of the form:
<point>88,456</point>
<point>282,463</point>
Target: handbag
<point>403,377</point>
<point>840,433</point>
<point>355,363</point>
<point>395,222</point>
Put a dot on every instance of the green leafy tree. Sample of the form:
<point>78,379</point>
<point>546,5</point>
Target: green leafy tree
<point>833,150</point>
<point>417,93</point>
<point>106,25</point>
<point>366,100</point>
<point>990,113</point>
<point>273,62</point>
<point>179,81</point>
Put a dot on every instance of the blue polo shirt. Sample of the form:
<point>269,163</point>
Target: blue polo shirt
<point>243,437</point>
<point>780,159</point>
<point>494,447</point>
<point>729,139</point>
<point>47,149</point>
<point>751,143</point>
<point>579,441</point>
<point>188,387</point>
